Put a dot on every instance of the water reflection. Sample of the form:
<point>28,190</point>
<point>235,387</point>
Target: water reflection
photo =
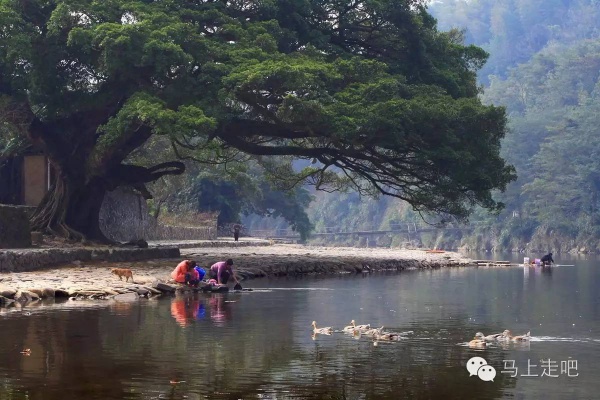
<point>189,309</point>
<point>258,344</point>
<point>185,310</point>
<point>220,309</point>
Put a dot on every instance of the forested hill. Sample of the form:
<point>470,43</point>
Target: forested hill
<point>544,67</point>
<point>513,31</point>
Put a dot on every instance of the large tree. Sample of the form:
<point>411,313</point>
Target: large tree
<point>367,89</point>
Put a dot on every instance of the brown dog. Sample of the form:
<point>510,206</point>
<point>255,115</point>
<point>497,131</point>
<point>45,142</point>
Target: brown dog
<point>122,272</point>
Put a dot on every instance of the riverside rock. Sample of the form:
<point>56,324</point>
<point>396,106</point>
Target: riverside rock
<point>61,293</point>
<point>163,287</point>
<point>142,291</point>
<point>25,296</point>
<point>38,292</point>
<point>8,293</point>
<point>127,297</point>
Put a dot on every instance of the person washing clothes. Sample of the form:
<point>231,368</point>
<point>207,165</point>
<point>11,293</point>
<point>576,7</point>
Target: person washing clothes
<point>222,271</point>
<point>547,260</point>
<point>186,274</point>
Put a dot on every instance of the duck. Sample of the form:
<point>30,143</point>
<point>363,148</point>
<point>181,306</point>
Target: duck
<point>323,331</point>
<point>360,327</point>
<point>504,336</point>
<point>477,344</point>
<point>350,328</point>
<point>386,336</point>
<point>489,338</point>
<point>508,336</point>
<point>520,338</point>
<point>373,332</point>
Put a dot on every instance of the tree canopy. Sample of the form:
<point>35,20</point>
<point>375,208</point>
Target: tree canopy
<point>370,91</point>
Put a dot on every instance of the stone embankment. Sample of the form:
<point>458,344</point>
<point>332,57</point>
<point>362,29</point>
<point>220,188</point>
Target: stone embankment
<point>31,259</point>
<point>282,260</point>
<point>81,282</point>
<point>93,279</point>
<point>19,260</point>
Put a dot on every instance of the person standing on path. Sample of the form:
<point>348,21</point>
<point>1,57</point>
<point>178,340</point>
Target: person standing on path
<point>236,231</point>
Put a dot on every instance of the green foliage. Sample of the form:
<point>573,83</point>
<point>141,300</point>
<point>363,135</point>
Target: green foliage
<point>370,90</point>
<point>236,190</point>
<point>543,67</point>
<point>12,141</point>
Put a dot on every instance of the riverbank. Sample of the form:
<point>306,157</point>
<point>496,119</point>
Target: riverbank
<point>291,259</point>
<point>92,279</point>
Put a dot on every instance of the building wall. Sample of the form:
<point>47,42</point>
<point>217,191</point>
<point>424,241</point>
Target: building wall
<point>24,180</point>
<point>35,179</point>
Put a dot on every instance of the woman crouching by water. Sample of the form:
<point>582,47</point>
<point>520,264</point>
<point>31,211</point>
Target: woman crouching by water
<point>186,273</point>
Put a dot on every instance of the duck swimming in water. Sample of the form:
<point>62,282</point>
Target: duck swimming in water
<point>386,336</point>
<point>373,332</point>
<point>349,328</point>
<point>360,327</point>
<point>520,338</point>
<point>323,331</point>
<point>489,338</point>
<point>477,344</point>
<point>508,336</point>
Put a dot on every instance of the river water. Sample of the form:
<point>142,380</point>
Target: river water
<point>258,345</point>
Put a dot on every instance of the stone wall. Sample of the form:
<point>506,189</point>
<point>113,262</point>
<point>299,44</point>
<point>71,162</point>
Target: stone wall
<point>167,232</point>
<point>124,216</point>
<point>34,259</point>
<point>15,231</point>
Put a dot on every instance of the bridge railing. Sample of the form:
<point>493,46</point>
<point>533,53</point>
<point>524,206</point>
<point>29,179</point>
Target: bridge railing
<point>402,227</point>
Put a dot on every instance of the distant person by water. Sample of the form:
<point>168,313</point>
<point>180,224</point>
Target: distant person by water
<point>547,259</point>
<point>222,271</point>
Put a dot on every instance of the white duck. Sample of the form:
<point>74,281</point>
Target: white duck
<point>361,327</point>
<point>323,331</point>
<point>350,328</point>
<point>373,332</point>
<point>488,338</point>
<point>518,338</point>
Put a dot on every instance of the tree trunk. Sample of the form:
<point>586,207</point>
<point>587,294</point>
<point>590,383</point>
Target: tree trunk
<point>71,209</point>
<point>85,172</point>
